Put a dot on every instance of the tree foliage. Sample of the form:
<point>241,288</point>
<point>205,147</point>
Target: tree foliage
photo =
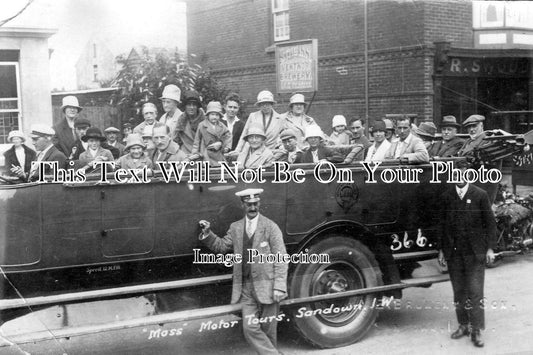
<point>144,75</point>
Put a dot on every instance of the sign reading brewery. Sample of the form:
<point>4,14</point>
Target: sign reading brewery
<point>487,67</point>
<point>296,66</point>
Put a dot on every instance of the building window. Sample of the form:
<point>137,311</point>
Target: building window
<point>94,50</point>
<point>502,14</point>
<point>9,99</point>
<point>280,13</point>
<point>95,72</point>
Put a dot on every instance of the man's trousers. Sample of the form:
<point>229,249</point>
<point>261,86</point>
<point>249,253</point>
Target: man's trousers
<point>259,321</point>
<point>467,275</point>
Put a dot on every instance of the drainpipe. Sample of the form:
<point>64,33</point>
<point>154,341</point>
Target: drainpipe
<point>365,16</point>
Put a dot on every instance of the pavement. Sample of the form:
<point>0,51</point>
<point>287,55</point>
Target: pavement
<point>420,323</point>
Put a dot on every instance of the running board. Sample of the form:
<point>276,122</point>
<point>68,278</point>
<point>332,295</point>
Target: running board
<point>111,292</point>
<point>209,312</point>
<point>415,255</point>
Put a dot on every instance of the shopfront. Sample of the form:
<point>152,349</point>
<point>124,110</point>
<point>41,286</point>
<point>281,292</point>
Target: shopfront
<point>493,83</point>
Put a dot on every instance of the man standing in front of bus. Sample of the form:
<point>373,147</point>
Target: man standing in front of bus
<point>466,241</point>
<point>258,286</point>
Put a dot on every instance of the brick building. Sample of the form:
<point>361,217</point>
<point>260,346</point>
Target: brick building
<point>423,57</point>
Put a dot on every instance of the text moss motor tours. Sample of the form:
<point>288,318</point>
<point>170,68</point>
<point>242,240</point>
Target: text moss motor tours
<point>64,238</point>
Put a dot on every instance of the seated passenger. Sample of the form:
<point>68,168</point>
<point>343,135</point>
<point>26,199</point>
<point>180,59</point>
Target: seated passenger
<point>297,120</point>
<point>18,158</point>
<point>290,152</point>
<point>255,153</point>
<point>266,119</point>
<point>317,151</point>
<point>474,126</point>
<point>81,125</point>
<point>42,138</point>
<point>213,138</point>
<point>408,148</point>
<point>166,149</point>
<point>340,135</point>
<point>148,141</point>
<point>381,145</point>
<point>426,131</point>
<point>390,133</point>
<point>94,153</point>
<point>135,157</point>
<point>450,143</point>
<point>112,140</point>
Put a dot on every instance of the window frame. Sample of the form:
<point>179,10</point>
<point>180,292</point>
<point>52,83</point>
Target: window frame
<point>18,110</point>
<point>276,12</point>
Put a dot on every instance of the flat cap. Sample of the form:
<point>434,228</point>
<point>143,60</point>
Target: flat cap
<point>111,130</point>
<point>287,133</point>
<point>41,130</point>
<point>473,120</point>
<point>250,195</point>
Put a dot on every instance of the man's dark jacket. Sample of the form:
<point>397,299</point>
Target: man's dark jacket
<point>471,218</point>
<point>53,154</point>
<point>323,153</point>
<point>446,148</point>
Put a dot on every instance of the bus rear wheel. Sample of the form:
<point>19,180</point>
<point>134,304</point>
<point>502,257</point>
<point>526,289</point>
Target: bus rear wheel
<point>341,321</point>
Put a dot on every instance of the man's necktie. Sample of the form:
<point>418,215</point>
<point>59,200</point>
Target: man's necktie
<point>249,230</point>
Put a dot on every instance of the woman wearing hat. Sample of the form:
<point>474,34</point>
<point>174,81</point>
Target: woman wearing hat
<point>213,138</point>
<point>65,133</point>
<point>379,149</point>
<point>94,152</point>
<point>317,152</point>
<point>450,143</point>
<point>170,99</point>
<point>255,153</point>
<point>266,119</point>
<point>135,157</point>
<point>18,158</point>
<point>296,118</point>
<point>188,122</point>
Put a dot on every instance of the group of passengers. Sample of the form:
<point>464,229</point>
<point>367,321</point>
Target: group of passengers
<point>217,134</point>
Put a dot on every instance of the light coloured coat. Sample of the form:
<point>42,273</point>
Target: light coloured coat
<point>266,277</point>
<point>378,154</point>
<point>208,134</point>
<point>415,151</point>
<point>258,158</point>
<point>272,129</point>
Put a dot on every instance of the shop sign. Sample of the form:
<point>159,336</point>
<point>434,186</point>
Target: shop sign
<point>487,67</point>
<point>296,66</point>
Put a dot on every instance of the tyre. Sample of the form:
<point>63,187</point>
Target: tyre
<point>338,322</point>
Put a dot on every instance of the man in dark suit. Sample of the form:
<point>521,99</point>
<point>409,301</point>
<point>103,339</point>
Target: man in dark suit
<point>466,241</point>
<point>450,143</point>
<point>230,119</point>
<point>258,286</point>
<point>42,138</point>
